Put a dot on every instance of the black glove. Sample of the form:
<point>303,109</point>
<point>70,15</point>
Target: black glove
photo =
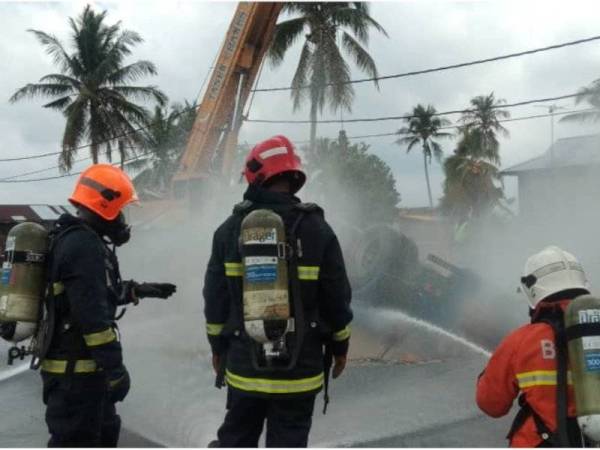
<point>158,290</point>
<point>118,384</point>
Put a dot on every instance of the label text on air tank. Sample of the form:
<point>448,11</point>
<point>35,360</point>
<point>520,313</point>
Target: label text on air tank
<point>589,316</point>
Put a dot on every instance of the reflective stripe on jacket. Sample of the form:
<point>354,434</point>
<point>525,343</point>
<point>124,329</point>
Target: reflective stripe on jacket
<point>525,361</point>
<point>325,294</point>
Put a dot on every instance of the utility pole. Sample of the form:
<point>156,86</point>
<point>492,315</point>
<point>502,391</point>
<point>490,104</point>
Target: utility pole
<point>551,110</point>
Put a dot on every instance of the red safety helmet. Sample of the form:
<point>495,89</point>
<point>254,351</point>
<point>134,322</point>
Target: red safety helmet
<point>274,157</point>
<point>105,190</point>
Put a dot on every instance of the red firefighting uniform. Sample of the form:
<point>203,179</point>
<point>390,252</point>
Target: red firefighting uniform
<point>525,361</point>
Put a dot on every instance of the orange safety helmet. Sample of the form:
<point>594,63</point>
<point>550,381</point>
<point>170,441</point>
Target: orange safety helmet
<point>275,156</point>
<point>104,190</point>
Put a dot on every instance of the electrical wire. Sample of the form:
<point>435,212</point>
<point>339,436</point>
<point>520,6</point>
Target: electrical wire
<point>364,136</point>
<point>66,175</point>
<point>407,117</point>
<point>450,127</point>
<point>449,67</point>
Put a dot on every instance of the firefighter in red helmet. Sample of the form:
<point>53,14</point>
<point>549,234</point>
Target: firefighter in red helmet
<point>273,371</point>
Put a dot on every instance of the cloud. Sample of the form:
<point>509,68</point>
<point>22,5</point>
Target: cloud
<point>183,37</point>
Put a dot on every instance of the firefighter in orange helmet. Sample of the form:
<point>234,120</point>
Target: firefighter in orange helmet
<point>81,357</point>
<point>532,360</point>
<point>274,377</point>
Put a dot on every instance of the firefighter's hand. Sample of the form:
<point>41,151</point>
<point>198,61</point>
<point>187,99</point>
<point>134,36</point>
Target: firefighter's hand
<point>156,290</point>
<point>216,363</point>
<point>339,364</point>
<point>118,384</point>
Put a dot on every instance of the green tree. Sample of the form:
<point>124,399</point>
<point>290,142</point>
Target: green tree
<point>423,128</point>
<point>482,121</point>
<point>93,87</point>
<point>350,180</point>
<point>591,95</point>
<point>163,144</point>
<point>472,185</point>
<point>322,73</point>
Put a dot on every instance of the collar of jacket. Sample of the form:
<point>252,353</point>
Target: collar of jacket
<point>66,220</point>
<point>260,195</point>
<point>548,307</point>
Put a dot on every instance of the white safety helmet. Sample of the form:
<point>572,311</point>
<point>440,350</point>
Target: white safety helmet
<point>550,271</point>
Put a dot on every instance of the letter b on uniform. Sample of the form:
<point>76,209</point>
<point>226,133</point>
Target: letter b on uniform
<point>548,350</point>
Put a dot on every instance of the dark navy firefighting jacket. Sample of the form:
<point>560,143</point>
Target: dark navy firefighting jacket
<point>324,290</point>
<point>87,289</point>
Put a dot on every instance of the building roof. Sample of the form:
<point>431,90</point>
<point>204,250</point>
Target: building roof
<point>35,213</point>
<point>566,152</point>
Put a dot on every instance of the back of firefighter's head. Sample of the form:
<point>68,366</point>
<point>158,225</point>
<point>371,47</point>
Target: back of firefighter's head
<point>553,274</point>
<point>100,194</point>
<point>274,162</point>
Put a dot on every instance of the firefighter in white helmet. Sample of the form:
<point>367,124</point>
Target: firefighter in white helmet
<point>532,360</point>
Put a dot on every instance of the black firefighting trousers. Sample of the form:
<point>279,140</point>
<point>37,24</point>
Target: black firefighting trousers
<point>79,412</point>
<point>288,420</point>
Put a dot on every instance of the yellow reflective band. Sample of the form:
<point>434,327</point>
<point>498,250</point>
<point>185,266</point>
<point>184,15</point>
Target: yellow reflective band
<point>234,269</point>
<point>342,335</point>
<point>308,273</point>
<point>274,386</point>
<point>100,338</point>
<point>59,366</point>
<point>540,378</point>
<point>214,329</point>
<point>58,288</point>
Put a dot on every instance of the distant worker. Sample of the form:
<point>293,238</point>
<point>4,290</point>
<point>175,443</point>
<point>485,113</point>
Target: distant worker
<point>532,359</point>
<point>276,292</point>
<point>82,368</point>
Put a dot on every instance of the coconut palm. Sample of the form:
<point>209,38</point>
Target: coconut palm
<point>423,128</point>
<point>93,87</point>
<point>322,73</point>
<point>590,95</point>
<point>473,184</point>
<point>163,144</point>
<point>483,123</point>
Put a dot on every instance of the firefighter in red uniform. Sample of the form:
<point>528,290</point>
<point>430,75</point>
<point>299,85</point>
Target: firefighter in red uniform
<point>532,359</point>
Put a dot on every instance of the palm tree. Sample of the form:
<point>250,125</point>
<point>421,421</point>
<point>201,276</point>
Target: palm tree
<point>92,88</point>
<point>483,124</point>
<point>423,127</point>
<point>471,181</point>
<point>591,95</point>
<point>163,144</point>
<point>322,75</point>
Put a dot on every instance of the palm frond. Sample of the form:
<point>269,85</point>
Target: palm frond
<point>588,116</point>
<point>286,34</point>
<point>55,49</point>
<point>300,76</point>
<point>361,57</point>
<point>41,89</point>
<point>340,93</point>
<point>59,78</point>
<point>142,93</point>
<point>59,104</point>
<point>131,72</point>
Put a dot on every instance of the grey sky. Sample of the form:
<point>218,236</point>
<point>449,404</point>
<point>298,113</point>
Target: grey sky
<point>182,38</point>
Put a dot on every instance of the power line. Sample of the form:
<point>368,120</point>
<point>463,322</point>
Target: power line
<point>444,113</point>
<point>66,175</point>
<point>452,66</point>
<point>514,119</point>
<point>127,133</point>
<point>364,136</point>
<point>34,172</point>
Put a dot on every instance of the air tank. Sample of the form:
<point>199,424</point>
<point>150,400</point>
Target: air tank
<point>582,322</point>
<point>265,272</point>
<point>23,277</point>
